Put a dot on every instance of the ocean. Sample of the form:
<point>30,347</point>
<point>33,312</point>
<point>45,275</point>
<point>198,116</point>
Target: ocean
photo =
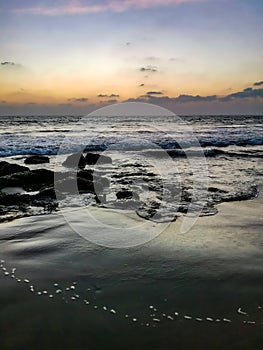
<point>200,289</point>
<point>227,150</point>
<point>23,135</point>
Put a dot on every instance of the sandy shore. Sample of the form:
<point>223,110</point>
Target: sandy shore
<point>209,272</point>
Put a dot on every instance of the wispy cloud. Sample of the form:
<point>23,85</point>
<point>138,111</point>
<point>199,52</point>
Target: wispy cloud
<point>78,99</point>
<point>258,83</point>
<point>10,64</point>
<point>108,95</point>
<point>74,7</point>
<point>149,69</point>
<point>154,93</point>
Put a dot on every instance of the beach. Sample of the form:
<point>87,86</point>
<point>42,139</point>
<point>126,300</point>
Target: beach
<point>121,238</point>
<point>205,285</point>
<point>131,175</point>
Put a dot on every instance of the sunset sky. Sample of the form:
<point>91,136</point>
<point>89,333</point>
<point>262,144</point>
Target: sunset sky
<point>191,56</point>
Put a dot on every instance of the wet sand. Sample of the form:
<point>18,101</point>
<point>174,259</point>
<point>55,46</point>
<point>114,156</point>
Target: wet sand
<point>206,285</point>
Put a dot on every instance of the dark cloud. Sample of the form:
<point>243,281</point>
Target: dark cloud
<point>149,69</point>
<point>197,98</point>
<point>108,96</point>
<point>258,83</point>
<point>154,97</point>
<point>154,93</point>
<point>3,101</point>
<point>246,93</point>
<point>10,64</point>
<point>128,43</point>
<point>79,99</point>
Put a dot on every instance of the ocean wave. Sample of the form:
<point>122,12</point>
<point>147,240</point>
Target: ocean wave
<point>153,152</point>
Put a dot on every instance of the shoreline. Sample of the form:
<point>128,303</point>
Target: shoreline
<point>211,272</point>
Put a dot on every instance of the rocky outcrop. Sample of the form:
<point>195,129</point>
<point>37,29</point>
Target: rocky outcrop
<point>127,194</point>
<point>30,180</point>
<point>75,160</point>
<point>78,160</point>
<point>36,159</point>
<point>8,168</point>
<point>93,158</point>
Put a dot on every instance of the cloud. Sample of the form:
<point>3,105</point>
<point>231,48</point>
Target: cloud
<point>85,7</point>
<point>258,83</point>
<point>248,89</point>
<point>154,93</point>
<point>197,98</point>
<point>154,97</point>
<point>149,97</point>
<point>108,96</point>
<point>246,93</point>
<point>10,64</point>
<point>149,69</point>
<point>7,63</point>
<point>79,99</point>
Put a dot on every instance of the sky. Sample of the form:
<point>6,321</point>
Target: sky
<point>75,56</point>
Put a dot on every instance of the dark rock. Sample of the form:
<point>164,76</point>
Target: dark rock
<point>126,194</point>
<point>85,174</point>
<point>143,174</point>
<point>85,185</point>
<point>93,158</point>
<point>14,180</point>
<point>44,176</point>
<point>36,159</point>
<point>8,169</point>
<point>132,165</point>
<point>124,181</point>
<point>216,190</point>
<point>14,199</point>
<point>75,160</point>
<point>28,180</point>
<point>46,193</point>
